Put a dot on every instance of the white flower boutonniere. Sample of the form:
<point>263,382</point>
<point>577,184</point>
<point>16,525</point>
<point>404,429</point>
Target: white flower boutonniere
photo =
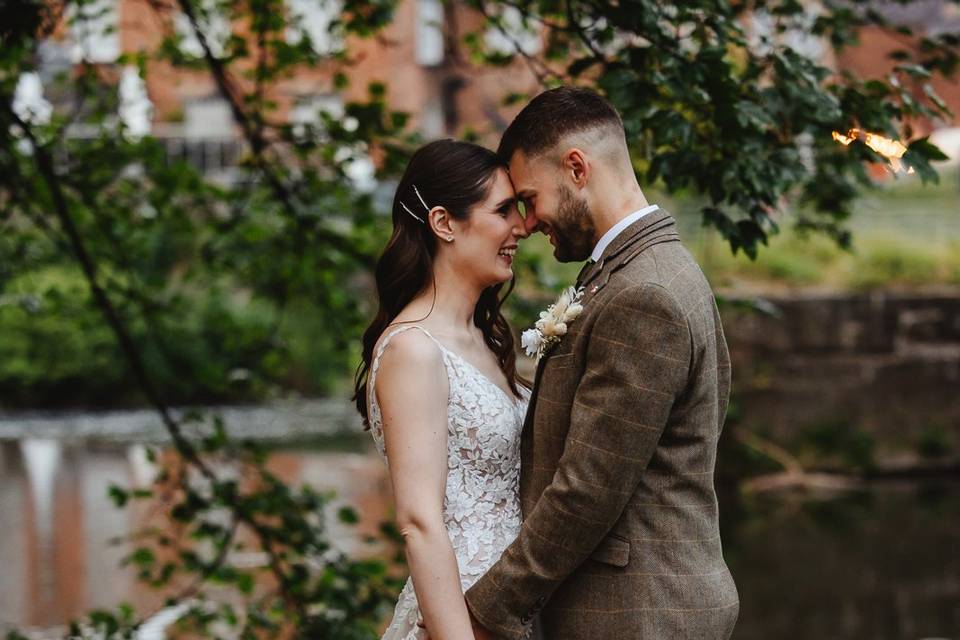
<point>552,325</point>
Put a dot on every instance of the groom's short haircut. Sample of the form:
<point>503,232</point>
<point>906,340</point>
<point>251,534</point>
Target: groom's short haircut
<point>556,114</point>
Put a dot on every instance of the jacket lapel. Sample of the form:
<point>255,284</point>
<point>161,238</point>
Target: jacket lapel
<point>653,228</point>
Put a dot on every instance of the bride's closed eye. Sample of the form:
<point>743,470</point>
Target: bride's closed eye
<point>506,207</point>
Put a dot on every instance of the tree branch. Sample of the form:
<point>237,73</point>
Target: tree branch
<point>259,145</point>
<point>61,209</point>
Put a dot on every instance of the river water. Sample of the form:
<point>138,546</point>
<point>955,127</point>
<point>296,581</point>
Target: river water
<point>878,563</point>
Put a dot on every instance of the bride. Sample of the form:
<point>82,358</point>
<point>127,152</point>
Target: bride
<point>438,386</point>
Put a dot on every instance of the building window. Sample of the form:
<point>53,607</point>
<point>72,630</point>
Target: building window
<point>431,119</point>
<point>307,112</point>
<point>207,139</point>
<point>136,110</point>
<point>93,31</point>
<point>429,33</point>
<point>207,118</point>
<point>307,109</point>
<point>28,101</point>
<point>512,34</point>
<point>766,34</point>
<point>316,19</point>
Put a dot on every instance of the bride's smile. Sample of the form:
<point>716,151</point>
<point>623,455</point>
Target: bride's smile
<point>507,253</point>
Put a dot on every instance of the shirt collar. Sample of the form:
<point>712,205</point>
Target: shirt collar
<point>617,229</point>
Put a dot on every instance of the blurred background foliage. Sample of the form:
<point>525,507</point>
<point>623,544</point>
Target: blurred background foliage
<point>246,289</point>
<point>128,277</point>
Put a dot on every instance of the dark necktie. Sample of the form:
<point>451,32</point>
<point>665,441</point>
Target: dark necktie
<point>586,267</point>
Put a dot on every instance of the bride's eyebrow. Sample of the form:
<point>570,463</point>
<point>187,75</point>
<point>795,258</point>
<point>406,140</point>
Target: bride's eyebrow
<point>505,202</point>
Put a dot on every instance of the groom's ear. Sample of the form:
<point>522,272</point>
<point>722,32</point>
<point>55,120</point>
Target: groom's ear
<point>577,167</point>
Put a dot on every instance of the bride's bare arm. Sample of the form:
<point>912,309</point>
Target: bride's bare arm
<point>412,391</point>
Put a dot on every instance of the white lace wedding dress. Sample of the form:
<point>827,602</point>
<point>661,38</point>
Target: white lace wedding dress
<point>481,506</point>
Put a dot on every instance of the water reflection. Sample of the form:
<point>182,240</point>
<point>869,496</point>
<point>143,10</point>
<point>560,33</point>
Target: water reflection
<point>880,564</point>
<point>58,522</point>
<point>41,458</point>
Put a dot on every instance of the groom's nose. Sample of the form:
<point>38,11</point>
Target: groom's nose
<point>531,223</point>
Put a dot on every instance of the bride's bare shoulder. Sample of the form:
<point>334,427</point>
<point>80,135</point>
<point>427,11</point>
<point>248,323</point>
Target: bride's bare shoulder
<point>407,349</point>
<point>411,370</point>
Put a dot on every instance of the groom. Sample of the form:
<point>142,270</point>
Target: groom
<point>620,537</point>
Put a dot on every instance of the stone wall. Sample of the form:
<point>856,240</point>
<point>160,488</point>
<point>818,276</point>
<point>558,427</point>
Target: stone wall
<point>884,364</point>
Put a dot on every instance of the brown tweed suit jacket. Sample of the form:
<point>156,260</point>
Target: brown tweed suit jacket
<point>620,537</point>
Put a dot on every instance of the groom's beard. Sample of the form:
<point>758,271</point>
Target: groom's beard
<point>573,230</point>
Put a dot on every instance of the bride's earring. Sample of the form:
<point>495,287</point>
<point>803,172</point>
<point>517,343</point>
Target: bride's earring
<point>448,237</point>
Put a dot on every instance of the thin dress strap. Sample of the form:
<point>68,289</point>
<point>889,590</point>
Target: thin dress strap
<point>371,397</point>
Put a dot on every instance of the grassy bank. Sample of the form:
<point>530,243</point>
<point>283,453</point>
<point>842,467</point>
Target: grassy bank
<point>905,236</point>
<point>878,260</point>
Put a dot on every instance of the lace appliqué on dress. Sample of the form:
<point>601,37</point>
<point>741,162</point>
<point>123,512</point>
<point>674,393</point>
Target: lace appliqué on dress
<point>481,507</point>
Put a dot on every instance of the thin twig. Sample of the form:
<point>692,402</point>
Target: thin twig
<point>61,209</point>
<point>259,145</point>
<point>770,449</point>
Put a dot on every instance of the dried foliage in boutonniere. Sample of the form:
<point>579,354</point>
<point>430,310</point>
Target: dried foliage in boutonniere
<point>553,322</point>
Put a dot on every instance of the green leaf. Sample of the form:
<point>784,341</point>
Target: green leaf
<point>935,98</point>
<point>927,149</point>
<point>581,65</point>
<point>915,70</point>
<point>142,557</point>
<point>347,515</point>
<point>752,116</point>
<point>118,495</point>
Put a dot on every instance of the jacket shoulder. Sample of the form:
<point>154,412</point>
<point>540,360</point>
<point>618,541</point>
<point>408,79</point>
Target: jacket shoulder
<point>669,266</point>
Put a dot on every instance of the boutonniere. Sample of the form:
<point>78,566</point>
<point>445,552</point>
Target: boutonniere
<point>552,325</point>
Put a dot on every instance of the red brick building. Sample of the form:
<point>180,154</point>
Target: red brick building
<point>418,57</point>
<point>927,18</point>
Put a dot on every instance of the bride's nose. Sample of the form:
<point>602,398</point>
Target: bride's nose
<point>520,230</point>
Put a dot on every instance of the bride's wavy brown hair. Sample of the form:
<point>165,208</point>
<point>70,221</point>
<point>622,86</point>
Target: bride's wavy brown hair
<point>455,175</point>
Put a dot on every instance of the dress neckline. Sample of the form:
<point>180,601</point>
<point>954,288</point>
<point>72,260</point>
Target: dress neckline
<point>511,399</point>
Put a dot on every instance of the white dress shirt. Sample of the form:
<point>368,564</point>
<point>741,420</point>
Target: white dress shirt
<point>617,229</point>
